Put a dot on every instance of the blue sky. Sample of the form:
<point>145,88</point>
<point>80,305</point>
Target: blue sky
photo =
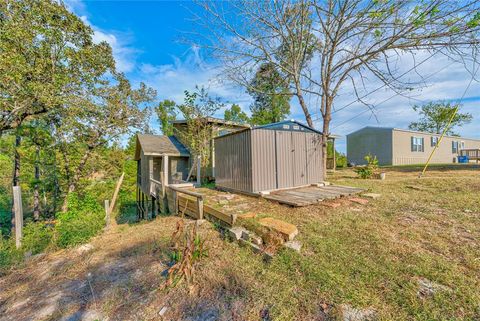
<point>146,41</point>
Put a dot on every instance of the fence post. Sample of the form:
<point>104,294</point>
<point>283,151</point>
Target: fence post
<point>17,204</point>
<point>175,202</point>
<point>200,208</point>
<point>115,194</point>
<point>107,213</point>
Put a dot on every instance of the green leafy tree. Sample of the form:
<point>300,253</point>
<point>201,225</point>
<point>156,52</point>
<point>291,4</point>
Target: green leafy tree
<point>435,116</point>
<point>108,113</point>
<point>270,94</point>
<point>236,114</point>
<point>166,113</point>
<point>198,107</point>
<point>47,58</point>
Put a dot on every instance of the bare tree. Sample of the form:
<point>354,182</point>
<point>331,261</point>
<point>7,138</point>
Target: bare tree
<point>322,47</point>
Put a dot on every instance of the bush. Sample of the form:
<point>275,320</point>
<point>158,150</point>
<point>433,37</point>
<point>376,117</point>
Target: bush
<point>37,237</point>
<point>368,170</point>
<point>341,160</point>
<point>9,255</point>
<point>83,220</point>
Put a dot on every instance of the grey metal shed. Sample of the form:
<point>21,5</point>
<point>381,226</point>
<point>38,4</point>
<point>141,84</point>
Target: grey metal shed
<point>274,156</point>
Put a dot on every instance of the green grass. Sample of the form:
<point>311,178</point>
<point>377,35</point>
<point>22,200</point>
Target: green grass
<point>367,256</point>
<point>372,256</point>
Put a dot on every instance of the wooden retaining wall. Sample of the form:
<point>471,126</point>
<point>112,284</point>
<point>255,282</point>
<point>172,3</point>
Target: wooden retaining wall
<point>191,204</point>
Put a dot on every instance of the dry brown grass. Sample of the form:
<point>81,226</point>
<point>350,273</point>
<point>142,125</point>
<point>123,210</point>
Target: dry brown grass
<point>363,255</point>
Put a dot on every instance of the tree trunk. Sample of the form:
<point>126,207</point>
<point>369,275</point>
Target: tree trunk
<point>73,183</point>
<point>36,193</point>
<point>327,117</point>
<point>16,175</point>
<point>303,104</point>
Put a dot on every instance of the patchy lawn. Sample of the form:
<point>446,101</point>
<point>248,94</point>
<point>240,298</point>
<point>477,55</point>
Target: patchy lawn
<point>413,253</point>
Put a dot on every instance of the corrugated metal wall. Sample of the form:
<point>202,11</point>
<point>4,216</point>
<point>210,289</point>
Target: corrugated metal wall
<point>284,159</point>
<point>299,155</point>
<point>233,161</point>
<point>263,159</point>
<point>314,158</point>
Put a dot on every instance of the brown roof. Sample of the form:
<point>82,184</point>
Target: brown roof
<point>214,120</point>
<point>159,145</point>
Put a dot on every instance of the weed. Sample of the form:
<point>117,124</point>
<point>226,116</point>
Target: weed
<point>187,249</point>
<point>369,170</point>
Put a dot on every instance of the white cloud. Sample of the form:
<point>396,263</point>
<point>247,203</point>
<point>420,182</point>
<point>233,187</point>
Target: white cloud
<point>171,80</point>
<point>122,49</point>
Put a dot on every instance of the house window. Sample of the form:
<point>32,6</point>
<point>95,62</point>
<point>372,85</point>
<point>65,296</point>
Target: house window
<point>434,141</point>
<point>462,145</point>
<point>454,147</point>
<point>417,144</point>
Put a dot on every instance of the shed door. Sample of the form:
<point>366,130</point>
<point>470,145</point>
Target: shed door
<point>299,155</point>
<point>314,158</point>
<point>284,157</point>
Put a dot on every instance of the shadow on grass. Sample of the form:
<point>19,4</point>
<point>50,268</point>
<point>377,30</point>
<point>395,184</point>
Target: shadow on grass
<point>126,273</point>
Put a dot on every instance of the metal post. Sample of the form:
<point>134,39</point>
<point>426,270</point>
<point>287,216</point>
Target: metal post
<point>17,204</point>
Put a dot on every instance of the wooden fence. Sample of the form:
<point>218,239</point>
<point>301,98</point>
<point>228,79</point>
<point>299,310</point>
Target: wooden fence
<point>185,202</point>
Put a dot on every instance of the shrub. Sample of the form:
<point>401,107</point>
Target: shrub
<point>9,255</point>
<point>341,160</point>
<point>83,220</point>
<point>36,237</point>
<point>368,170</point>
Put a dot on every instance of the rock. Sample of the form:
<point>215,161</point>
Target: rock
<point>267,256</point>
<point>255,239</point>
<point>358,200</point>
<point>246,235</point>
<point>235,233</point>
<point>253,247</point>
<point>427,288</point>
<point>162,311</point>
<point>372,195</point>
<point>294,245</point>
<point>349,313</point>
<point>468,211</point>
<point>84,248</point>
<point>286,230</point>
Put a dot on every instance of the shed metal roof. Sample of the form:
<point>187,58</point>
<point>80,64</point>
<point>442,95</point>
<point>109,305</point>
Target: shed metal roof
<point>278,126</point>
<point>159,145</point>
